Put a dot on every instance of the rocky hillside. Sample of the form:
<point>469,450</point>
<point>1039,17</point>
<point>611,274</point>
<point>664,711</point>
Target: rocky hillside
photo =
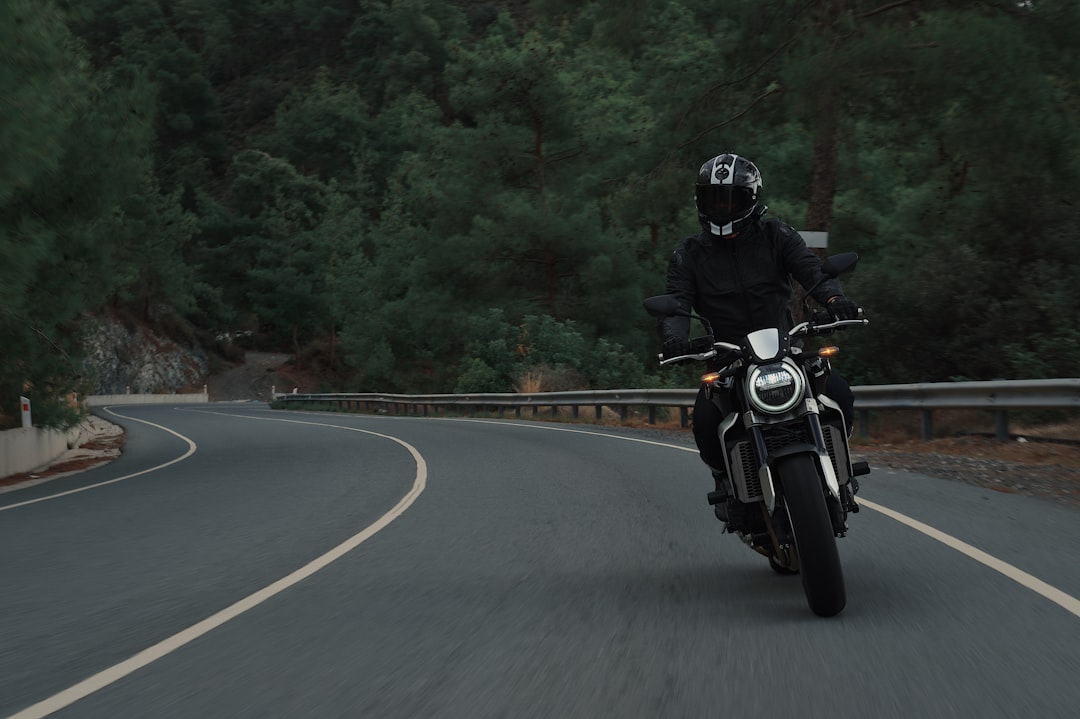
<point>124,357</point>
<point>121,358</point>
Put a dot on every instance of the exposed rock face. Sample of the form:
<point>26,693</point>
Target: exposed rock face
<point>120,359</point>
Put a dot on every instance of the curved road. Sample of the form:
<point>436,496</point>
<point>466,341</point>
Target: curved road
<point>239,562</point>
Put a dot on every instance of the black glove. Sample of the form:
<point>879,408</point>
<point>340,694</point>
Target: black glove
<point>842,308</point>
<point>676,347</point>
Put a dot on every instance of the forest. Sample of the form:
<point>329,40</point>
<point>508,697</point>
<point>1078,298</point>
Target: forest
<point>457,195</point>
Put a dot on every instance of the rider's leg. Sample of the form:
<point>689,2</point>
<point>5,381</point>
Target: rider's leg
<point>706,425</point>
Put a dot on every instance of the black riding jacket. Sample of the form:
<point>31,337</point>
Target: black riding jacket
<point>742,284</point>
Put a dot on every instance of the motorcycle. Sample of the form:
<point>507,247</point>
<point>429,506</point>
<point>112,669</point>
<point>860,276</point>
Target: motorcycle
<point>791,481</point>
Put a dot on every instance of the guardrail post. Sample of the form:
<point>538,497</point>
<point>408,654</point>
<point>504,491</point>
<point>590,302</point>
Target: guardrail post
<point>864,423</point>
<point>517,411</point>
<point>574,409</point>
<point>536,410</point>
<point>599,412</point>
<point>1001,425</point>
<point>927,425</point>
<point>652,414</point>
<point>623,410</point>
<point>684,416</point>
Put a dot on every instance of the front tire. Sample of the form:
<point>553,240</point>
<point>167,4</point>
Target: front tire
<point>819,560</point>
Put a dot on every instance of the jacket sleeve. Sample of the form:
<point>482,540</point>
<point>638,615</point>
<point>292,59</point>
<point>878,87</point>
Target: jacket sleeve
<point>804,265</point>
<point>681,283</point>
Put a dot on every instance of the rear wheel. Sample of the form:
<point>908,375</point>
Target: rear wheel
<point>819,560</point>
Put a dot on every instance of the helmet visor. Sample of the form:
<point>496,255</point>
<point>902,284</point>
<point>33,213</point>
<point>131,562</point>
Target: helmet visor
<point>724,203</point>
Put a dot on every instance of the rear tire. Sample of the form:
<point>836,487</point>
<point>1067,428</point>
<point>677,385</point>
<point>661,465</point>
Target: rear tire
<point>819,560</point>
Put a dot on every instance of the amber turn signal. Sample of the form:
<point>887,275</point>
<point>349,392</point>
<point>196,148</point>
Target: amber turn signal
<point>828,351</point>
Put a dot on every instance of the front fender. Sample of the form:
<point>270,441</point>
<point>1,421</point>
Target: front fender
<point>823,461</point>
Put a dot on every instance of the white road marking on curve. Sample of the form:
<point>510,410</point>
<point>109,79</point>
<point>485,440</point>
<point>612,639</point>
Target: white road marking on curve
<point>1066,601</point>
<point>192,447</point>
<point>151,654</point>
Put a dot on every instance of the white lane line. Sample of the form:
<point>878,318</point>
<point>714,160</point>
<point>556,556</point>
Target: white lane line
<point>147,656</point>
<point>191,450</point>
<point>1066,601</point>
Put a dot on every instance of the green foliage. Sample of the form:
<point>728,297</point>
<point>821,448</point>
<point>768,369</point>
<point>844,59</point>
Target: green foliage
<point>362,183</point>
<point>553,354</point>
<point>322,129</point>
<point>77,143</point>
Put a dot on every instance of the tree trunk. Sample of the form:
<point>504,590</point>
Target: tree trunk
<point>823,171</point>
<point>296,344</point>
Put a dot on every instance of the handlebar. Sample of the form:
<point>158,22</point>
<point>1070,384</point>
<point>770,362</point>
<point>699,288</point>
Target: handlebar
<point>702,356</point>
<point>803,328</point>
<point>714,352</point>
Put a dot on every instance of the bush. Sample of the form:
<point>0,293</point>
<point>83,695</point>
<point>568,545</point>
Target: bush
<point>542,352</point>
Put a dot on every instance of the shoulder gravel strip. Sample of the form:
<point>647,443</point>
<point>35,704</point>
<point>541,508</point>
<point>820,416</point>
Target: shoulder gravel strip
<point>1047,481</point>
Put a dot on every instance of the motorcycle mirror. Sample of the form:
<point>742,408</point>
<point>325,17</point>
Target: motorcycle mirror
<point>836,265</point>
<point>664,306</point>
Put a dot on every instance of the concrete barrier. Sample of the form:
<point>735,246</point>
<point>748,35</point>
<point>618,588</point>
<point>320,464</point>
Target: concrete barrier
<point>100,400</point>
<point>27,448</point>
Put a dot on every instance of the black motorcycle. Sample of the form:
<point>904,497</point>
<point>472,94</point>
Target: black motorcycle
<point>792,482</point>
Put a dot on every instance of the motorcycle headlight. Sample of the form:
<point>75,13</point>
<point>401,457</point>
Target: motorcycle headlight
<point>775,388</point>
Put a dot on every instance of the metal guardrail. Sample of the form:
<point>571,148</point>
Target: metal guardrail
<point>998,396</point>
<point>622,399</point>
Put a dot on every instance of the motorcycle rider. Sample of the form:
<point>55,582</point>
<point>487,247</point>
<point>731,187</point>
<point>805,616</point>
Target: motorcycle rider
<point>736,273</point>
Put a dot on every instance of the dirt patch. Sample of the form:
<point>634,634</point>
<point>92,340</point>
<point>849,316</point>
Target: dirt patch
<point>260,374</point>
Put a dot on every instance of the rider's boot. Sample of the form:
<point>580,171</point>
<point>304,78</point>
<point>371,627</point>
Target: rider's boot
<point>719,498</point>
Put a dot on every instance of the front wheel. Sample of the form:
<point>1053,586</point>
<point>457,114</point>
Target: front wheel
<point>819,560</point>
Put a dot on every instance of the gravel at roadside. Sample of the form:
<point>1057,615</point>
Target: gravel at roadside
<point>1057,483</point>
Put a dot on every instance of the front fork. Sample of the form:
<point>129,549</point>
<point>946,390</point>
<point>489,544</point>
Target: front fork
<point>755,425</point>
<point>818,449</point>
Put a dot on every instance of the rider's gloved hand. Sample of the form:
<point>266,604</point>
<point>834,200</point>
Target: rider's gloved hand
<point>842,308</point>
<point>676,347</point>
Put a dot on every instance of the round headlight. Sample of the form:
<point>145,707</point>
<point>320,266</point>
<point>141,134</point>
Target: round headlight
<point>775,388</point>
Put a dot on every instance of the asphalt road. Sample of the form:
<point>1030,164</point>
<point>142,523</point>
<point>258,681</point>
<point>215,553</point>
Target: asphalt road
<point>242,562</point>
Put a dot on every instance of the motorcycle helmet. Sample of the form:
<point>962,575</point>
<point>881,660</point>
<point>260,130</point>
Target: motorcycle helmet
<point>728,194</point>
